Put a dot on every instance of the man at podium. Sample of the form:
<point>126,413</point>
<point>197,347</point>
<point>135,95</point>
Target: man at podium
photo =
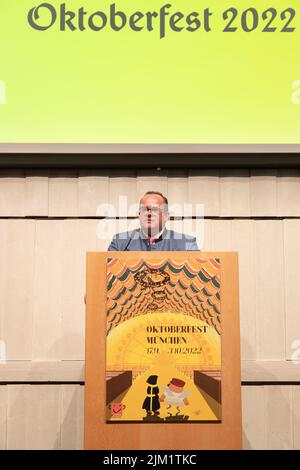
<point>153,234</point>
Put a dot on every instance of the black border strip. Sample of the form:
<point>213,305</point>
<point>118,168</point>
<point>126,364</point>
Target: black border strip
<point>149,160</point>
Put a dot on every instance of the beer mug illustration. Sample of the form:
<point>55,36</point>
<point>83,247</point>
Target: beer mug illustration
<point>116,409</point>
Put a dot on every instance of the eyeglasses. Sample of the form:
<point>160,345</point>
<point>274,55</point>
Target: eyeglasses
<point>153,210</point>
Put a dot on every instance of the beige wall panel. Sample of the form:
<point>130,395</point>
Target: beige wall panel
<point>63,193</point>
<point>49,283</point>
<point>72,292</point>
<point>3,419</point>
<point>12,193</point>
<point>152,180</point>
<point>34,417</point>
<point>178,192</point>
<point>292,291</point>
<point>16,287</point>
<point>204,189</point>
<point>268,417</point>
<point>288,193</point>
<point>17,404</point>
<point>221,235</point>
<point>234,193</point>
<point>42,371</point>
<point>87,241</point>
<point>3,278</point>
<point>72,417</point>
<point>36,193</point>
<point>106,228</point>
<point>93,188</point>
<point>254,418</point>
<point>79,236</point>
<point>189,226</point>
<point>59,310</point>
<point>207,240</point>
<point>243,243</point>
<point>123,194</point>
<point>270,371</point>
<point>279,417</point>
<point>269,278</point>
<point>263,193</point>
<point>296,415</point>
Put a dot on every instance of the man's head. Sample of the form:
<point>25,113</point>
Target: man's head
<point>153,213</point>
<point>176,385</point>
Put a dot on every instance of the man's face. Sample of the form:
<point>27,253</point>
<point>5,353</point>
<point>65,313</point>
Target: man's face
<point>175,388</point>
<point>153,214</point>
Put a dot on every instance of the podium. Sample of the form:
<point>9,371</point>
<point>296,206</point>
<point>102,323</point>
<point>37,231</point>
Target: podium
<point>156,321</point>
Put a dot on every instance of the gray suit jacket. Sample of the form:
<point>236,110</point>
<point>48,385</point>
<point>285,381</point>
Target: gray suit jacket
<point>168,241</point>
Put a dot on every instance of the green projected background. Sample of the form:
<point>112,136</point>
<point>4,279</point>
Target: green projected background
<point>134,87</point>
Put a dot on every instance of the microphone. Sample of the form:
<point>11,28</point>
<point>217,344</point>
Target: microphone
<point>129,240</point>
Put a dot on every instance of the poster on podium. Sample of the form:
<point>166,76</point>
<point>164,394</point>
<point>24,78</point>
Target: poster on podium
<point>163,343</point>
